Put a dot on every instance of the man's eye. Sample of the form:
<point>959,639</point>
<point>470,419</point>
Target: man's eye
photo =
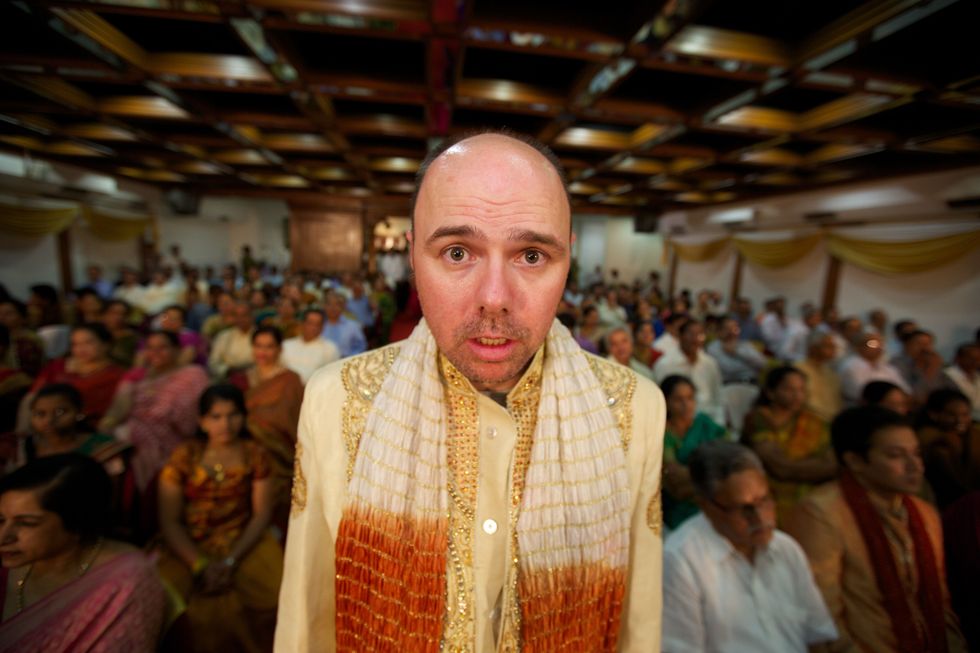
<point>456,254</point>
<point>532,256</point>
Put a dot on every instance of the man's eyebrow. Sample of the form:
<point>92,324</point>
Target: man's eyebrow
<point>531,236</point>
<point>457,231</point>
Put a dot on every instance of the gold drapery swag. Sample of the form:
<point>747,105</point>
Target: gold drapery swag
<point>36,222</point>
<point>886,257</point>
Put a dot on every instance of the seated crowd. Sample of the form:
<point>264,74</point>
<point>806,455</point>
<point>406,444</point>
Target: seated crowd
<point>821,474</point>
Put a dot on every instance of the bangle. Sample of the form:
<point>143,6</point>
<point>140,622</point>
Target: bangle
<point>200,564</point>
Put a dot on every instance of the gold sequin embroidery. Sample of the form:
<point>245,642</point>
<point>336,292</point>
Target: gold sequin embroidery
<point>362,377</point>
<point>655,513</point>
<point>298,493</point>
<point>619,384</point>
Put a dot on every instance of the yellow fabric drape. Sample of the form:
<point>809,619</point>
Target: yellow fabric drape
<point>903,256</point>
<point>776,253</point>
<point>109,227</point>
<point>700,252</point>
<point>35,222</point>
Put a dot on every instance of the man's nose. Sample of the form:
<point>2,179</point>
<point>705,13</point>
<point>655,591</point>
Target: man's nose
<point>495,290</point>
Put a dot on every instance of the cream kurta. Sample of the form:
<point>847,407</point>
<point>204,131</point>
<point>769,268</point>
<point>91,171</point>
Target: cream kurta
<point>306,602</point>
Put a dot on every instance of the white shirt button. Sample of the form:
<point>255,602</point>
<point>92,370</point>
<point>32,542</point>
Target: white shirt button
<point>492,432</point>
<point>489,527</point>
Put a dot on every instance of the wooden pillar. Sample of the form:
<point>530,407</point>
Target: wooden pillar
<point>831,282</point>
<point>736,279</point>
<point>64,261</point>
<point>673,273</point>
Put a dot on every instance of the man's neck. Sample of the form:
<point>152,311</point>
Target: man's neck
<point>691,356</point>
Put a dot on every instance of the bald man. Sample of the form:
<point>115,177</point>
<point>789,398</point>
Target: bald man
<point>485,485</point>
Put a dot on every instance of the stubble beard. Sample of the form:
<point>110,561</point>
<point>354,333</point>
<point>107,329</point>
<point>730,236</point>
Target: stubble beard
<point>474,369</point>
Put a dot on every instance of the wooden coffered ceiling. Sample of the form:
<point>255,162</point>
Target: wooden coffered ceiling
<point>650,105</point>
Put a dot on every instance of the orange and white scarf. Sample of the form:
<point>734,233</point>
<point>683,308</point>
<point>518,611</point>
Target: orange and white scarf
<point>572,527</point>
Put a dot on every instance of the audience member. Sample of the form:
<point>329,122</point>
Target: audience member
<point>88,368</point>
<point>129,289</point>
<point>669,341</point>
<point>69,588</point>
<point>965,375</point>
<point>193,348</point>
<point>962,541</point>
<point>796,341</point>
<point>273,394</point>
<point>285,318</point>
<point>876,549</point>
<point>747,325</point>
<point>864,366</point>
<point>950,446</point>
<point>643,337</point>
<point>619,344</point>
<point>88,306</point>
<point>309,351</point>
<point>691,362</point>
<point>232,347</point>
<point>154,406</point>
<point>887,395</point>
<point>160,293</point>
<point>775,324</point>
<point>44,306</point>
<point>340,329</point>
<point>102,287</point>
<point>223,319</point>
<point>26,351</point>
<point>920,366</point>
<point>359,303</point>
<point>732,582</point>
<point>738,360</point>
<point>588,334</point>
<point>611,313</point>
<point>823,396</point>
<point>792,441</point>
<point>216,502</point>
<point>115,317</point>
<point>14,384</point>
<point>686,430</point>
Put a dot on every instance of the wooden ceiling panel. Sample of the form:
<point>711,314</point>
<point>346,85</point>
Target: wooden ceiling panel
<point>648,104</point>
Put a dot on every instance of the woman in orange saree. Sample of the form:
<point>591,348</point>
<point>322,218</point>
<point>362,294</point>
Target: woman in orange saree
<point>793,443</point>
<point>273,395</point>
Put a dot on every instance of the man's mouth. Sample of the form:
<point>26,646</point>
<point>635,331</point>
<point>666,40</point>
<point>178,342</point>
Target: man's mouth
<point>491,342</point>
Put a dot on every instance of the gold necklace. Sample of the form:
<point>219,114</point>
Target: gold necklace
<point>83,567</point>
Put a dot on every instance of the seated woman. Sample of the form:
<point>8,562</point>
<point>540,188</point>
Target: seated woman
<point>950,442</point>
<point>687,429</point>
<point>793,443</point>
<point>216,503</point>
<point>87,367</point>
<point>14,384</point>
<point>887,395</point>
<point>64,587</point>
<point>588,334</point>
<point>115,317</point>
<point>273,395</point>
<point>154,407</point>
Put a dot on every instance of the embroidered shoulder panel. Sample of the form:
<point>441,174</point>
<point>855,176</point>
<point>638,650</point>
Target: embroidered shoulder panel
<point>298,492</point>
<point>655,512</point>
<point>362,377</point>
<point>619,384</point>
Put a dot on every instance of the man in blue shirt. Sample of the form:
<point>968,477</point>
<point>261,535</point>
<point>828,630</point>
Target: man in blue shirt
<point>340,329</point>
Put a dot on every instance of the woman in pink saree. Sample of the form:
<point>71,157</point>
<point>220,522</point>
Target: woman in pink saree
<point>155,408</point>
<point>63,586</point>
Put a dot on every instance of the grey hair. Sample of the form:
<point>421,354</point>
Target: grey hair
<point>605,338</point>
<point>713,462</point>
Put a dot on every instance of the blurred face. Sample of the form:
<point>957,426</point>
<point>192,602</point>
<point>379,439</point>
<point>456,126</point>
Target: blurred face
<point>590,318</point>
<point>490,251</point>
<point>257,299</point>
<point>93,273</point>
<point>160,353</point>
<point>333,306</point>
<point>692,338</point>
<point>954,417</point>
<point>918,345</point>
<point>265,349</point>
<point>9,317</point>
<point>286,309</point>
<point>896,400</point>
<point>28,532</point>
<point>172,320</point>
<point>743,307</point>
<point>682,404</point>
<point>729,330</point>
<point>54,417</point>
<point>312,326</point>
<point>743,511</point>
<point>620,346</point>
<point>968,360</point>
<point>226,304</point>
<point>825,349</point>
<point>85,347</point>
<point>89,304</point>
<point>222,423</point>
<point>811,319</point>
<point>243,317</point>
<point>114,316</point>
<point>645,335</point>
<point>790,394</point>
<point>894,463</point>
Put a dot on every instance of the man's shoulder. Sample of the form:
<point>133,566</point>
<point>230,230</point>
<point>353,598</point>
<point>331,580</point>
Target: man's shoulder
<point>361,374</point>
<point>616,379</point>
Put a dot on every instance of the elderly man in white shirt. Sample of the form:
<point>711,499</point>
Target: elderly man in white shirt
<point>732,582</point>
<point>619,344</point>
<point>691,361</point>
<point>309,351</point>
<point>669,341</point>
<point>739,360</point>
<point>965,373</point>
<point>232,348</point>
<point>867,364</point>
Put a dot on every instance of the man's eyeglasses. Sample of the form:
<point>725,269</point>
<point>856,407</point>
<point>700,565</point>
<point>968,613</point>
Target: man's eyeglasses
<point>747,511</point>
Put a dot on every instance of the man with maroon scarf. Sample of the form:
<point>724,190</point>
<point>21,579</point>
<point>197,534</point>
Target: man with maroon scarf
<point>875,548</point>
